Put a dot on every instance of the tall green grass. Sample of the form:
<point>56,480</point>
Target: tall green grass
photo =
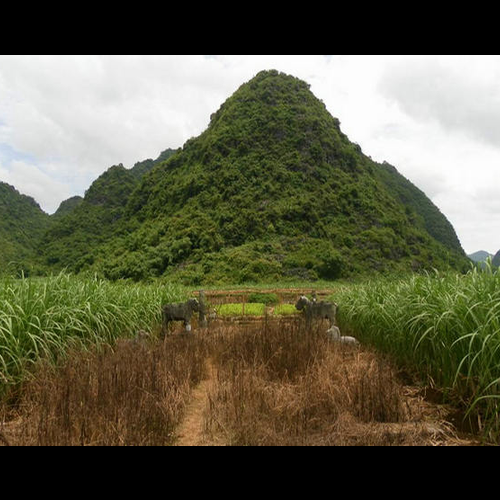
<point>446,326</point>
<point>41,317</point>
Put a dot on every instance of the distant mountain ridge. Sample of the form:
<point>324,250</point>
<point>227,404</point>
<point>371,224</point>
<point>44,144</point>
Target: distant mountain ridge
<point>67,206</point>
<point>496,259</point>
<point>25,228</point>
<point>480,256</point>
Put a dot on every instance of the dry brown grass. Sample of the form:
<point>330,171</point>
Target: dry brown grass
<point>265,384</point>
<point>133,394</point>
<point>283,386</point>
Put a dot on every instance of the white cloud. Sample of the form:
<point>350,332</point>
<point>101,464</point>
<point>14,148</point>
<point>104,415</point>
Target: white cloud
<point>28,179</point>
<point>453,106</point>
<point>90,112</point>
<point>460,93</point>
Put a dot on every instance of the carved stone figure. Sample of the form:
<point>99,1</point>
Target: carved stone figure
<point>316,310</point>
<point>182,311</point>
<point>334,335</point>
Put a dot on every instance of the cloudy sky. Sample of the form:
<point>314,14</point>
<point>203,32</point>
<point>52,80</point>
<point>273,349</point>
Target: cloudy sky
<point>65,119</point>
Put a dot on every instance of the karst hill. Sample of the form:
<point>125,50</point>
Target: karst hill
<point>22,224</point>
<point>271,189</point>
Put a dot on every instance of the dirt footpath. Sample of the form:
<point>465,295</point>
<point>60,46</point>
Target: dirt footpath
<point>191,430</point>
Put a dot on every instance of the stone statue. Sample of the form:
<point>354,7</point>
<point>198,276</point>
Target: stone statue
<point>334,335</point>
<point>179,312</point>
<point>316,310</point>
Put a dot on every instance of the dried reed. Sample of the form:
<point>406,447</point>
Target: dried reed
<point>286,386</point>
<point>133,394</point>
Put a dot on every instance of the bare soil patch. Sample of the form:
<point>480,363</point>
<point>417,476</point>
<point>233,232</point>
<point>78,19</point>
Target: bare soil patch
<point>191,430</point>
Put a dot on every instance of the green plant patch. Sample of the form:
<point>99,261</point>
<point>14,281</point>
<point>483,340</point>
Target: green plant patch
<point>284,309</point>
<point>249,309</point>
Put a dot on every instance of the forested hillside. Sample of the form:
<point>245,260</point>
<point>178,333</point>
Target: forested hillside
<point>22,224</point>
<point>272,189</point>
<point>87,223</point>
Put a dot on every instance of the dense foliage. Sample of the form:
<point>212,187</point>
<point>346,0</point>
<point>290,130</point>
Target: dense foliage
<point>67,206</point>
<point>87,223</point>
<point>22,223</point>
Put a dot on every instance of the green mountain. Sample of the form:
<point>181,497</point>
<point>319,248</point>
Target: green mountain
<point>22,224</point>
<point>143,167</point>
<point>272,189</point>
<point>67,206</point>
<point>82,225</point>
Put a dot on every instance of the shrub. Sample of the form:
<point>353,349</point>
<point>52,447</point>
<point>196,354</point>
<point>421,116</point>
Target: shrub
<point>264,298</point>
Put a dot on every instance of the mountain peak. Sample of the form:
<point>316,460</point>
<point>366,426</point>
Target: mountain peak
<point>271,189</point>
<point>9,190</point>
<point>271,88</point>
